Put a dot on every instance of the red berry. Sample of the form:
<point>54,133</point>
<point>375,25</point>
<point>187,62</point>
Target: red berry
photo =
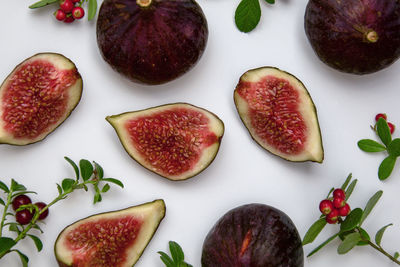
<point>78,12</point>
<point>60,15</point>
<point>380,115</point>
<point>69,19</point>
<point>339,193</point>
<point>332,217</point>
<point>345,210</point>
<point>339,202</point>
<point>66,5</point>
<point>75,1</point>
<point>326,206</point>
<point>23,216</point>
<point>41,205</point>
<point>391,127</point>
<point>20,200</point>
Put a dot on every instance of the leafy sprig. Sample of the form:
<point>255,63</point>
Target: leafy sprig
<point>391,146</point>
<point>92,6</point>
<point>87,174</point>
<point>177,254</point>
<point>248,14</point>
<point>351,232</point>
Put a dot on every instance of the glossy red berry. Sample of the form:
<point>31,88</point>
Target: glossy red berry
<point>332,217</point>
<point>69,19</point>
<point>60,15</point>
<point>391,127</point>
<point>326,206</point>
<point>339,193</point>
<point>75,1</point>
<point>78,12</point>
<point>345,210</point>
<point>339,202</point>
<point>20,200</point>
<point>23,216</point>
<point>41,205</point>
<point>380,115</point>
<point>66,5</point>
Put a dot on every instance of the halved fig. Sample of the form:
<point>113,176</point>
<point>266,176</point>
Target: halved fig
<point>176,141</point>
<point>279,113</point>
<point>36,97</point>
<point>108,239</point>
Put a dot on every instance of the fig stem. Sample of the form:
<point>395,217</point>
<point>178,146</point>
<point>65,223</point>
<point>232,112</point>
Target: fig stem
<point>372,36</point>
<point>143,3</point>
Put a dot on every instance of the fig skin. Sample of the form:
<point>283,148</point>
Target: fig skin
<point>151,42</point>
<point>254,235</point>
<point>353,36</point>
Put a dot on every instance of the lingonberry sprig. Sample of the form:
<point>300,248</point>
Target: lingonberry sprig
<point>248,14</point>
<point>384,130</point>
<point>27,214</point>
<point>351,233</point>
<point>177,256</point>
<point>69,10</point>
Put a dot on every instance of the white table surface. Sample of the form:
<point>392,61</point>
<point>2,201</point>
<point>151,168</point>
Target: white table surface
<point>242,172</point>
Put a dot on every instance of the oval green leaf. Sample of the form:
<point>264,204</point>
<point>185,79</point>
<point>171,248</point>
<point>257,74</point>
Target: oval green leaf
<point>86,169</point>
<point>394,148</point>
<point>92,9</point>
<point>364,236</point>
<point>6,243</point>
<point>67,184</point>
<point>370,205</point>
<point>73,164</point>
<point>114,181</point>
<point>350,189</point>
<point>4,187</point>
<point>247,15</point>
<point>105,188</point>
<point>99,170</point>
<point>348,243</point>
<point>37,241</point>
<point>346,183</point>
<point>352,220</point>
<point>176,252</point>
<point>369,145</point>
<point>379,234</point>
<point>314,231</point>
<point>24,259</point>
<point>383,131</point>
<point>386,167</point>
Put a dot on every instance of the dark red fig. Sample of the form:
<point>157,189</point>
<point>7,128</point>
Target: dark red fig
<point>354,36</point>
<point>253,235</point>
<point>151,41</point>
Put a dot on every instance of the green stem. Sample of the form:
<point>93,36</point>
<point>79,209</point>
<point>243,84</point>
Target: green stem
<point>3,218</point>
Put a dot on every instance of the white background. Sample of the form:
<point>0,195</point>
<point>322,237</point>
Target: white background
<point>242,172</point>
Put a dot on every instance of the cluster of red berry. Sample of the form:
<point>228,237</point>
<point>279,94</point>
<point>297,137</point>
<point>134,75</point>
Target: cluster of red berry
<point>383,116</point>
<point>69,11</point>
<point>25,216</point>
<point>335,208</point>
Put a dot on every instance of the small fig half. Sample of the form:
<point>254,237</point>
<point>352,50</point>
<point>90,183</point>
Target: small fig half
<point>176,141</point>
<point>279,113</point>
<point>36,97</point>
<point>108,239</point>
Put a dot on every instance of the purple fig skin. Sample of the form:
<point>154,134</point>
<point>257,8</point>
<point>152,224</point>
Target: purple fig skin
<point>354,36</point>
<point>253,235</point>
<point>151,41</point>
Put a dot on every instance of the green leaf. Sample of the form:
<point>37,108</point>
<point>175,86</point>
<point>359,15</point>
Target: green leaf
<point>14,227</point>
<point>92,9</point>
<point>67,184</point>
<point>346,183</point>
<point>314,231</point>
<point>73,164</point>
<point>114,181</point>
<point>86,169</point>
<point>4,187</point>
<point>37,241</point>
<point>348,243</point>
<point>383,131</point>
<point>330,192</point>
<point>23,257</point>
<point>386,167</point>
<point>322,245</point>
<point>247,15</point>
<point>270,1</point>
<point>166,259</point>
<point>176,252</point>
<point>59,188</point>
<point>369,145</point>
<point>42,3</point>
<point>352,220</point>
<point>16,186</point>
<point>6,243</point>
<point>350,189</point>
<point>394,148</point>
<point>396,255</point>
<point>22,193</point>
<point>2,202</point>
<point>97,198</point>
<point>370,205</point>
<point>364,236</point>
<point>99,170</point>
<point>35,226</point>
<point>379,234</point>
<point>105,188</point>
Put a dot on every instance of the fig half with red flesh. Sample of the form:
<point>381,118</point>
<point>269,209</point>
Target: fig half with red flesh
<point>151,41</point>
<point>354,36</point>
<point>108,239</point>
<point>279,113</point>
<point>36,97</point>
<point>176,141</point>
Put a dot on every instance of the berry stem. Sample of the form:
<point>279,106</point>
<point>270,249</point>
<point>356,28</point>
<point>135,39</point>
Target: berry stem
<point>381,250</point>
<point>3,218</point>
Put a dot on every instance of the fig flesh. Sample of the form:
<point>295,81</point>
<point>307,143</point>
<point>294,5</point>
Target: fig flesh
<point>253,235</point>
<point>151,41</point>
<point>36,97</point>
<point>353,36</point>
<point>176,141</point>
<point>115,238</point>
<point>279,113</point>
